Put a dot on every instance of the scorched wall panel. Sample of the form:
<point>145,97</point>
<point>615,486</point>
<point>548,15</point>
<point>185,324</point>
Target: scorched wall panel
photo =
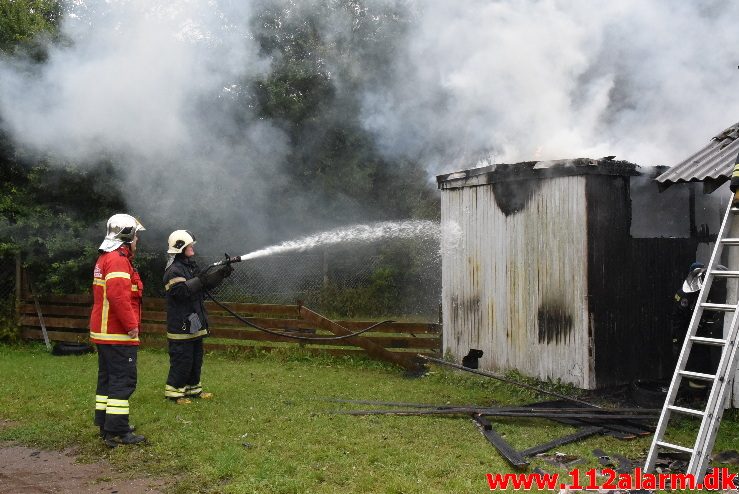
<point>514,277</point>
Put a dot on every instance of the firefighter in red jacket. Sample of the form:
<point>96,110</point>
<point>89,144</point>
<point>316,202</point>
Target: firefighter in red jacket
<point>114,327</point>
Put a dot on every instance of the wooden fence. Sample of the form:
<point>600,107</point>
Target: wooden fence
<point>66,318</point>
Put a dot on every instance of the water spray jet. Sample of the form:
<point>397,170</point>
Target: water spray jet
<point>423,229</point>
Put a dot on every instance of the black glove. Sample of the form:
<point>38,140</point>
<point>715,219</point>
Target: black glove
<point>194,285</point>
<point>215,278</point>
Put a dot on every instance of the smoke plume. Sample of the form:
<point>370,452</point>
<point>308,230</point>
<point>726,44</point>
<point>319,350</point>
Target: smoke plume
<point>649,82</point>
<point>155,87</point>
<point>162,88</point>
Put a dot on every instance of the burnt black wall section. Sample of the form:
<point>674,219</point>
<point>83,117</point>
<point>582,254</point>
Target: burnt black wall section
<point>659,214</point>
<point>631,283</point>
<point>660,265</point>
<point>608,211</point>
<point>513,196</point>
<point>555,322</point>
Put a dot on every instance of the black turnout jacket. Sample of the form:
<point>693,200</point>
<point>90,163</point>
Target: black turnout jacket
<point>182,303</point>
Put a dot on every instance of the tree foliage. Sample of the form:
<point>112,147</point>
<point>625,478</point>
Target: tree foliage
<point>23,22</point>
<point>52,214</point>
<point>43,208</point>
<point>312,90</point>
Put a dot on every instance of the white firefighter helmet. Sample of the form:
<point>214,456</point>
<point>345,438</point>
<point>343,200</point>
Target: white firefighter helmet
<point>696,277</point>
<point>179,240</point>
<point>121,228</point>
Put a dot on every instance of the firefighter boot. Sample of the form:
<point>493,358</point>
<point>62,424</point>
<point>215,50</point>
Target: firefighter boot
<point>113,440</point>
<point>131,428</point>
<point>183,401</point>
<point>735,200</point>
<point>205,396</point>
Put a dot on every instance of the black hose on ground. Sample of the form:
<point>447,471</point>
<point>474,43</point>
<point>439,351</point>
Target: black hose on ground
<point>295,337</point>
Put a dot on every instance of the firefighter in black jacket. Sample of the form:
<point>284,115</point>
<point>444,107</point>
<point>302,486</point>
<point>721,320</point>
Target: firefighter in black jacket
<point>734,185</point>
<point>710,325</point>
<point>187,320</point>
<point>683,306</point>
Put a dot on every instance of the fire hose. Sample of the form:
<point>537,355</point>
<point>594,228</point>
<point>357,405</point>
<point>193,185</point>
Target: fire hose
<point>231,260</point>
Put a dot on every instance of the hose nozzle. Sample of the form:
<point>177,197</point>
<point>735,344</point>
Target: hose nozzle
<point>227,260</point>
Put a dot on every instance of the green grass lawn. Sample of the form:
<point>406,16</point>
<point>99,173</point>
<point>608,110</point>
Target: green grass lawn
<point>274,404</point>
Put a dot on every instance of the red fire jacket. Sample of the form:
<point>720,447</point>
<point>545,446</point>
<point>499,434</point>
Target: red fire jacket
<point>117,291</point>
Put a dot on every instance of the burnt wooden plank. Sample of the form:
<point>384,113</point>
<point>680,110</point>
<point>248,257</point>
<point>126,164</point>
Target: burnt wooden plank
<point>626,426</point>
<point>581,433</point>
<point>622,430</point>
<point>509,452</point>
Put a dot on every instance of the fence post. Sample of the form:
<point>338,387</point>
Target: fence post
<point>441,329</point>
<point>325,268</point>
<point>18,286</point>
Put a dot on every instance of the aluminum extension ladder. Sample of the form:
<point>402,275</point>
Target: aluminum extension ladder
<point>719,382</point>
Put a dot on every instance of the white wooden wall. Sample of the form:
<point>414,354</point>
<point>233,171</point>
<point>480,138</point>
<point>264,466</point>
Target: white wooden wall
<point>502,268</point>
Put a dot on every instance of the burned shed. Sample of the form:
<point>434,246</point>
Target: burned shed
<point>565,270</point>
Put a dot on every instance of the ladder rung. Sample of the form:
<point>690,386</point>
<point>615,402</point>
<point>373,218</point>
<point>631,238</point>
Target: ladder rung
<point>725,274</point>
<point>686,411</point>
<point>730,241</point>
<point>708,341</point>
<point>674,446</point>
<point>719,307</point>
<point>698,375</point>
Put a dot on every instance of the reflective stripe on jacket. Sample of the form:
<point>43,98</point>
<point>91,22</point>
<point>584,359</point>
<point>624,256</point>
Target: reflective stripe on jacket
<point>117,293</point>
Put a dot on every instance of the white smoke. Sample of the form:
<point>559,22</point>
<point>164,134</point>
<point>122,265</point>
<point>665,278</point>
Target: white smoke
<point>151,85</point>
<point>161,86</point>
<point>650,82</point>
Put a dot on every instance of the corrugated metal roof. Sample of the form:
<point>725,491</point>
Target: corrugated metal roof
<point>714,162</point>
